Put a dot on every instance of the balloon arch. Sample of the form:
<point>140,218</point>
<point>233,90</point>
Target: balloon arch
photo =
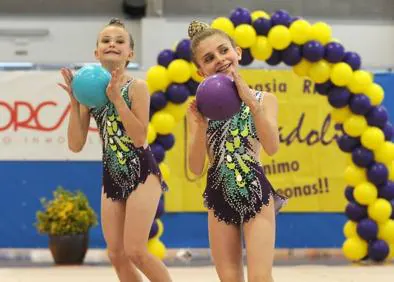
<point>309,50</point>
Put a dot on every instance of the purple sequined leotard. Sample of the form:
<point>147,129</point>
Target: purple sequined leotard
<point>236,187</point>
<point>124,165</point>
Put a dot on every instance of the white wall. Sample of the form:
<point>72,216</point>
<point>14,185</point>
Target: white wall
<point>73,39</point>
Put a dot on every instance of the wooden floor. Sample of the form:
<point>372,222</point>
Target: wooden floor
<point>304,273</point>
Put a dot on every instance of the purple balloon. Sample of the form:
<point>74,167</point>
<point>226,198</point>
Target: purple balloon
<point>323,88</point>
<point>378,250</point>
<point>262,26</point>
<point>246,58</point>
<point>167,141</point>
<point>386,191</point>
<point>281,17</point>
<point>353,60</point>
<point>165,57</point>
<point>378,174</point>
<point>160,209</point>
<point>362,157</point>
<point>378,116</point>
<point>240,16</point>
<point>158,101</point>
<point>349,193</point>
<point>158,152</point>
<point>178,93</point>
<point>217,97</point>
<point>313,51</point>
<point>360,104</point>
<point>334,52</point>
<point>347,143</point>
<point>183,50</point>
<point>153,230</point>
<point>292,55</point>
<point>339,97</point>
<point>356,212</point>
<point>367,229</point>
<point>275,59</point>
<point>388,131</point>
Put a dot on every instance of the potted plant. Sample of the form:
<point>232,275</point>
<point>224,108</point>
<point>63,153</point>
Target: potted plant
<point>66,219</point>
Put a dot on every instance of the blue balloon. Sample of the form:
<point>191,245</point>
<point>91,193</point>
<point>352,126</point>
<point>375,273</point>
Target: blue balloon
<point>378,174</point>
<point>313,51</point>
<point>353,60</point>
<point>378,250</point>
<point>388,131</point>
<point>240,16</point>
<point>292,55</point>
<point>165,57</point>
<point>192,85</point>
<point>89,86</point>
<point>360,104</point>
<point>158,152</point>
<point>183,50</point>
<point>262,26</point>
<point>167,141</point>
<point>158,101</point>
<point>362,156</point>
<point>281,17</point>
<point>349,193</point>
<point>153,230</point>
<point>178,93</point>
<point>275,59</point>
<point>334,52</point>
<point>347,143</point>
<point>386,191</point>
<point>246,58</point>
<point>339,97</point>
<point>324,88</point>
<point>356,212</point>
<point>367,229</point>
<point>378,117</point>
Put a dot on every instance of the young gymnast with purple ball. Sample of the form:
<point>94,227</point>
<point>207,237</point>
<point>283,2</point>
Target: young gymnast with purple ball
<point>239,197</point>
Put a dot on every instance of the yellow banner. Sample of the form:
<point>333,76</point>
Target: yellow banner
<point>308,167</point>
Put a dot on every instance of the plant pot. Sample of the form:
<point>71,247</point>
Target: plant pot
<point>69,249</point>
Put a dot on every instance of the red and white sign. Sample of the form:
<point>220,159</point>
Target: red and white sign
<point>34,113</point>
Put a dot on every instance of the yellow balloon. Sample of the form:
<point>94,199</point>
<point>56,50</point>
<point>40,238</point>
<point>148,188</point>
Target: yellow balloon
<point>375,93</point>
<point>300,31</point>
<point>320,71</point>
<point>355,125</point>
<point>178,111</point>
<point>179,71</point>
<point>151,134</point>
<point>259,14</point>
<point>360,81</point>
<point>365,193</point>
<point>165,171</point>
<point>385,153</point>
<point>391,171</point>
<point>355,175</point>
<point>194,73</point>
<point>261,49</point>
<point>223,24</point>
<point>321,32</point>
<point>372,138</point>
<point>157,78</point>
<point>157,248</point>
<point>350,229</point>
<point>245,35</point>
<point>279,37</point>
<point>380,210</point>
<point>386,231</point>
<point>391,253</point>
<point>341,114</point>
<point>163,123</point>
<point>355,248</point>
<point>302,68</point>
<point>341,74</point>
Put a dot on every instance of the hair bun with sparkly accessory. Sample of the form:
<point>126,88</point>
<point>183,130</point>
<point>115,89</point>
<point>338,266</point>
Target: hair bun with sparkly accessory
<point>196,27</point>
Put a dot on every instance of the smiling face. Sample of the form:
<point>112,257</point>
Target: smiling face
<point>114,46</point>
<point>216,53</point>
